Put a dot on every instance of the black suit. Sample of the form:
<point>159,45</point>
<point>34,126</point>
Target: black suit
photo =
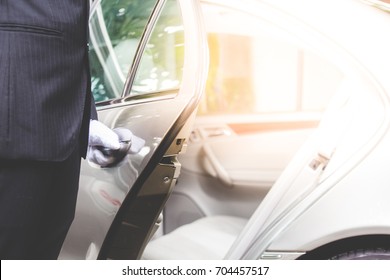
<point>43,78</point>
<point>45,107</point>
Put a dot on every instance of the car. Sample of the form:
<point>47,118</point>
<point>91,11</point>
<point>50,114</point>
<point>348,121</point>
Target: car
<point>286,158</point>
<point>266,174</point>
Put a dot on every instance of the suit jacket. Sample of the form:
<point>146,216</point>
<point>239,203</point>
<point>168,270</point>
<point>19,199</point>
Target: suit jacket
<point>45,99</point>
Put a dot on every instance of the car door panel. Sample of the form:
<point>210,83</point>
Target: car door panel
<point>252,160</point>
<point>118,207</point>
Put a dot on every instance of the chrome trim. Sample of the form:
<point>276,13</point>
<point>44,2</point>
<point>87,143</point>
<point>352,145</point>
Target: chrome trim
<point>141,47</point>
<point>268,255</point>
<point>136,99</point>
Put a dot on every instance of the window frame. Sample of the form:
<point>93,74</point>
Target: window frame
<point>125,96</point>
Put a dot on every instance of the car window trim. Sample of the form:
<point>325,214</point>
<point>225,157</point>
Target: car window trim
<point>139,98</point>
<point>125,94</point>
<point>141,47</point>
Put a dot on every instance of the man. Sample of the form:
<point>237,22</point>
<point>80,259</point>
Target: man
<point>45,113</point>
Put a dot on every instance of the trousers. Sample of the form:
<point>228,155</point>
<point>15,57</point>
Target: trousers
<point>37,206</point>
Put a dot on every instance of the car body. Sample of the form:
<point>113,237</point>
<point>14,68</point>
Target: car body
<point>266,173</point>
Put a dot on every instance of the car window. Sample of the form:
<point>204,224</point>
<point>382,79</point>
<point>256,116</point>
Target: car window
<point>258,68</point>
<point>116,28</point>
<point>161,65</point>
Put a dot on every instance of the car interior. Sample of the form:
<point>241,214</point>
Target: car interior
<point>265,96</point>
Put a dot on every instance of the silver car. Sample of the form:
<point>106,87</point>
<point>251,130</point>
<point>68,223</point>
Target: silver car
<point>286,159</point>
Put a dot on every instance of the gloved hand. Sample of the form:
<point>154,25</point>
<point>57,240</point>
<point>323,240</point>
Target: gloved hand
<point>100,137</point>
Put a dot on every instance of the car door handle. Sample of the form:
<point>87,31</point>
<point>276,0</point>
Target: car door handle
<point>129,144</point>
<point>116,155</point>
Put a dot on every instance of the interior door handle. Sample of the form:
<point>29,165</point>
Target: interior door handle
<point>220,171</point>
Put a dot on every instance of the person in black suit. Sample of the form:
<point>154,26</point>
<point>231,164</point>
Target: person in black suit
<point>45,113</point>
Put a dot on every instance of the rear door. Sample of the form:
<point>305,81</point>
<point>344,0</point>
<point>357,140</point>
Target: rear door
<point>148,62</point>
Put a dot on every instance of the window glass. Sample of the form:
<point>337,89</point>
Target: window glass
<point>115,31</point>
<point>161,65</point>
<point>259,68</point>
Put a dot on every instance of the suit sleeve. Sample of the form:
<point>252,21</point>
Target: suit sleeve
<point>94,115</point>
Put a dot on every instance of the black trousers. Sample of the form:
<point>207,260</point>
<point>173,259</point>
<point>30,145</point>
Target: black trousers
<point>37,206</point>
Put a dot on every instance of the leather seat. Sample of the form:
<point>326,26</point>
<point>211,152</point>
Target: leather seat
<point>208,238</point>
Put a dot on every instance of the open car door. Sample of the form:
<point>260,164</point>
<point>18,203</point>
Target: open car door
<point>148,64</point>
